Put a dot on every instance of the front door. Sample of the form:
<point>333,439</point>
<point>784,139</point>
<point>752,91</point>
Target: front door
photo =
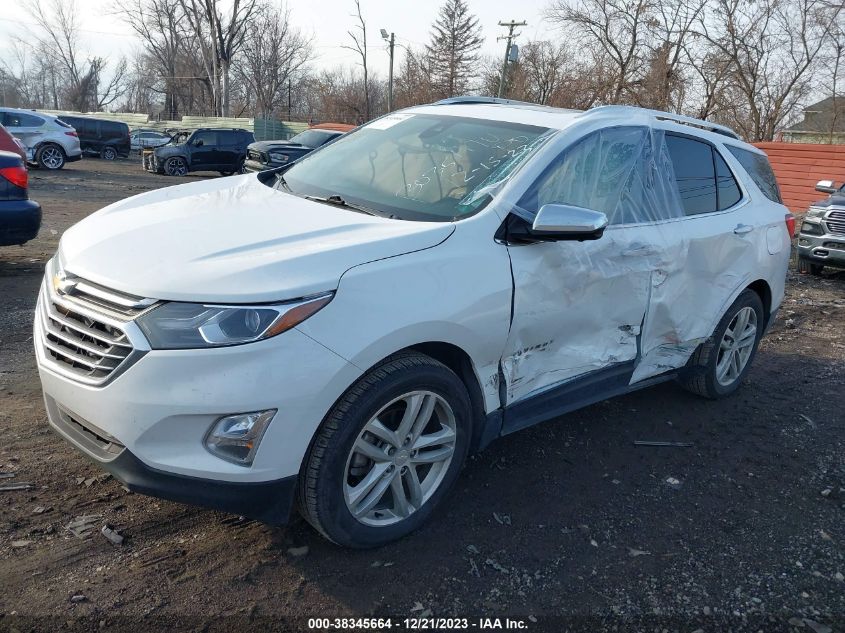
<point>204,153</point>
<point>579,307</point>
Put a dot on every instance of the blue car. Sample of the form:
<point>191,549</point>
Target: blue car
<point>20,217</point>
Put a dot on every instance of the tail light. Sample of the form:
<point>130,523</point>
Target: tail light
<point>72,133</point>
<point>17,175</point>
<point>790,225</point>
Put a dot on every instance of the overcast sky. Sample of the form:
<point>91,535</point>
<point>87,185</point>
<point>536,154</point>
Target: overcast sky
<point>327,21</point>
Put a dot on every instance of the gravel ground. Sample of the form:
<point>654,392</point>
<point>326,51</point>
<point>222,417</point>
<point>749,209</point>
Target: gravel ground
<point>565,526</point>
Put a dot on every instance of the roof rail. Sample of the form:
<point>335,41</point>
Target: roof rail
<point>477,100</point>
<point>678,118</point>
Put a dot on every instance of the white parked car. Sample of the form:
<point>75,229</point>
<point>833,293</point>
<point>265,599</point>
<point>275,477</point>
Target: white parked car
<point>48,141</point>
<point>340,334</point>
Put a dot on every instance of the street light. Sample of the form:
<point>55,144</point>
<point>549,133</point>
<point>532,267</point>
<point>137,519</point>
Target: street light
<point>390,39</point>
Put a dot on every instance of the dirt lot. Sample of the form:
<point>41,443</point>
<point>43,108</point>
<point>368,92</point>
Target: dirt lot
<point>568,523</point>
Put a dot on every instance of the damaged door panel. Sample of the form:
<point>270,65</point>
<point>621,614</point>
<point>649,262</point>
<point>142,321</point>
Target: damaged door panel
<point>712,259</point>
<point>579,307</point>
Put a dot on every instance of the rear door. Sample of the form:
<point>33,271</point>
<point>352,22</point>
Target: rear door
<point>717,234</point>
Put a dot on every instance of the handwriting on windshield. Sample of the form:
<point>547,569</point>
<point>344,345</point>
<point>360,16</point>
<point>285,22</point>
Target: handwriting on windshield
<point>464,166</point>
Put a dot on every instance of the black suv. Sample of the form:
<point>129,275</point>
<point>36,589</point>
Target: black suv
<point>100,137</point>
<point>206,149</point>
<point>20,217</point>
<point>269,154</point>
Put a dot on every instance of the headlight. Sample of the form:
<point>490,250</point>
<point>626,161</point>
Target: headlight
<point>193,325</point>
<point>279,158</point>
<point>811,228</point>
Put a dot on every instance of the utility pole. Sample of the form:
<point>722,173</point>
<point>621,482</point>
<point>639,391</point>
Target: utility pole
<point>509,37</point>
<point>391,41</point>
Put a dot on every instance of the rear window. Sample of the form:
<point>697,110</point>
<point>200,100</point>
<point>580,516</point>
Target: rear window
<point>758,167</point>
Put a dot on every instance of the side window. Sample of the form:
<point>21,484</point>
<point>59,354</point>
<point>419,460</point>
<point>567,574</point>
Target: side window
<point>19,119</point>
<point>618,171</point>
<point>758,167</point>
<point>208,138</point>
<point>695,174</point>
<point>727,189</point>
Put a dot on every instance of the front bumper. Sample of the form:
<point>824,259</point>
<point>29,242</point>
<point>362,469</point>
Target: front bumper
<point>155,413</point>
<point>255,165</point>
<point>827,249</point>
<point>267,501</point>
<point>19,221</point>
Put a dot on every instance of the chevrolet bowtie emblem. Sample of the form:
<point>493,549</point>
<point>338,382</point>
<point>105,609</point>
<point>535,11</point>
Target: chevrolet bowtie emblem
<point>63,285</point>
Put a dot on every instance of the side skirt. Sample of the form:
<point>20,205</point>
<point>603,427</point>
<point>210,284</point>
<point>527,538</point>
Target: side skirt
<point>569,396</point>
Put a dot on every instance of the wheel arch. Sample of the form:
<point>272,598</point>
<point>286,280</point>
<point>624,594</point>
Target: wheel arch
<point>764,291</point>
<point>460,362</point>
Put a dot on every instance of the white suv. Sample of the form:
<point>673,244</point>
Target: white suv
<point>342,332</point>
<point>49,142</point>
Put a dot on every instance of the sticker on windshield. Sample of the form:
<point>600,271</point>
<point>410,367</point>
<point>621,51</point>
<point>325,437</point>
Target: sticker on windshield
<point>388,121</point>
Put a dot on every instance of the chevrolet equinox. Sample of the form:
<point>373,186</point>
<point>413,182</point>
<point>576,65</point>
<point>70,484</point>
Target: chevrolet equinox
<point>338,334</point>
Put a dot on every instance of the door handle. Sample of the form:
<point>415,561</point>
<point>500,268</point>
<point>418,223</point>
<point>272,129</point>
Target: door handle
<point>742,229</point>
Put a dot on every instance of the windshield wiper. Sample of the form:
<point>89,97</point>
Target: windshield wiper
<point>338,201</point>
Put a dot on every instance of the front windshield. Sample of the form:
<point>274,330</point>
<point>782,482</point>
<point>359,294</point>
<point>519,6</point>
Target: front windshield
<point>417,166</point>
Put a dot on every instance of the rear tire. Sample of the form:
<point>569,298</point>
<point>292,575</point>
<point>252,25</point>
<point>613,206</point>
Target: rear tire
<point>357,488</point>
<point>109,153</point>
<point>50,156</point>
<point>720,364</point>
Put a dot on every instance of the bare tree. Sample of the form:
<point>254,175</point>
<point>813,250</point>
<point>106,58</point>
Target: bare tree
<point>273,58</point>
<point>613,29</point>
<point>453,50</point>
<point>359,45</point>
<point>219,38</point>
<point>84,88</point>
<point>771,48</point>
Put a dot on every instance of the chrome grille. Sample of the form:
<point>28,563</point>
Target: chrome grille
<point>836,222</point>
<point>83,330</point>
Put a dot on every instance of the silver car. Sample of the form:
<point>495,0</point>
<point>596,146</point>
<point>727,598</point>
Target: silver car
<point>140,139</point>
<point>821,241</point>
<point>48,141</point>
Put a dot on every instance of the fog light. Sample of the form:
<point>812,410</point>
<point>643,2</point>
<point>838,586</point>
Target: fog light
<point>235,438</point>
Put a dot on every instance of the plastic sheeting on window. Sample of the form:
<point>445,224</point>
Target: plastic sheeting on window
<point>624,172</point>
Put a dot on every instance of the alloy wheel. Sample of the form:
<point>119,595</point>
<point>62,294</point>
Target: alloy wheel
<point>399,458</point>
<point>109,153</point>
<point>736,346</point>
<point>176,167</point>
<point>51,157</point>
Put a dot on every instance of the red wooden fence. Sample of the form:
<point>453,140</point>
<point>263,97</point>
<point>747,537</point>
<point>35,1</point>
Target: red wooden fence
<point>799,166</point>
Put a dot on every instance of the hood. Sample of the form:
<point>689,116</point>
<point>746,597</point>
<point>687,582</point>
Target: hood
<point>266,146</point>
<point>232,240</point>
<point>835,199</point>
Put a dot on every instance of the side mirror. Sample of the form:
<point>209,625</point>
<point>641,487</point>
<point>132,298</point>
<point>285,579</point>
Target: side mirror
<point>556,222</point>
<point>199,143</point>
<point>826,186</point>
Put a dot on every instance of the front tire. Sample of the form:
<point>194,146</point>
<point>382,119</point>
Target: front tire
<point>387,453</point>
<point>720,364</point>
<point>175,166</point>
<point>50,156</point>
